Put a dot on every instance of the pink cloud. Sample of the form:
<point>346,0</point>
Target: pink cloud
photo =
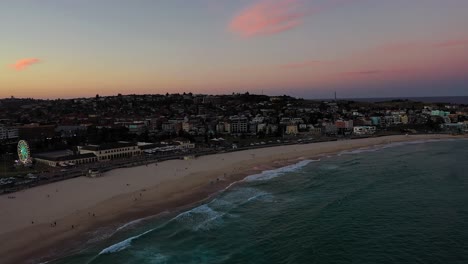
<point>369,72</point>
<point>377,72</point>
<point>400,46</point>
<point>24,63</point>
<point>269,17</point>
<point>452,43</point>
<point>304,64</point>
<point>416,45</point>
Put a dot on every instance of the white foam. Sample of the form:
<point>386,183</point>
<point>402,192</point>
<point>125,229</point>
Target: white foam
<point>270,174</point>
<point>391,145</point>
<point>123,244</point>
<point>117,247</point>
<point>199,218</point>
<point>151,256</point>
<point>129,224</point>
<point>203,217</point>
<point>135,222</point>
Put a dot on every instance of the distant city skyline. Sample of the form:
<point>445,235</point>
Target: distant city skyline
<point>310,49</point>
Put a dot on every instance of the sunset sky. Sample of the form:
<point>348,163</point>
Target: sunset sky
<point>306,48</point>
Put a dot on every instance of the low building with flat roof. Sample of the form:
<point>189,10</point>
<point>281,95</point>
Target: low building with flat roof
<point>65,158</point>
<point>111,151</point>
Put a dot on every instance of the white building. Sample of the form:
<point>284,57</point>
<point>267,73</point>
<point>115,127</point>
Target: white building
<point>8,132</point>
<point>239,125</point>
<point>364,130</point>
<point>112,151</point>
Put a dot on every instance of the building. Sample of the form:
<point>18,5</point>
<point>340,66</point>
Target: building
<point>184,143</point>
<point>344,127</point>
<point>168,127</point>
<point>187,126</point>
<point>220,127</point>
<point>392,120</point>
<point>291,129</point>
<point>253,128</point>
<point>376,120</point>
<point>439,113</point>
<point>404,119</point>
<point>137,128</point>
<point>65,158</point>
<point>111,151</point>
<point>8,132</point>
<point>364,130</point>
<point>261,127</point>
<point>457,128</point>
<point>341,124</point>
<point>330,129</point>
<point>239,125</point>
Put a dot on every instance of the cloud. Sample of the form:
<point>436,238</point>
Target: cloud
<point>400,46</point>
<point>452,43</point>
<point>377,72</point>
<point>369,72</point>
<point>269,17</point>
<point>304,64</point>
<point>417,45</point>
<point>24,63</point>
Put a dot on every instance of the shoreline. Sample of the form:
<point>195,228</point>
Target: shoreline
<point>82,205</point>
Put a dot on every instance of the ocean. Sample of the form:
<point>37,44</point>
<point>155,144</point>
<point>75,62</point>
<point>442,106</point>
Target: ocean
<point>398,203</point>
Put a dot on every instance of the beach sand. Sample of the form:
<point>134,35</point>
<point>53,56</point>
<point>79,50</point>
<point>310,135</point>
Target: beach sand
<point>48,220</point>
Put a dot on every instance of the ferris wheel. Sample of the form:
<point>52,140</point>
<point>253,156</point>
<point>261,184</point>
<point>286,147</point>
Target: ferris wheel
<point>24,154</point>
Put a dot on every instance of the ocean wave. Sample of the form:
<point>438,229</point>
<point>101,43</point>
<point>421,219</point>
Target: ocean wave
<point>200,218</point>
<point>330,167</point>
<point>270,174</point>
<point>236,198</point>
<point>100,234</point>
<point>210,215</point>
<point>130,224</point>
<point>391,145</point>
<point>123,244</point>
<point>137,221</point>
<point>150,256</point>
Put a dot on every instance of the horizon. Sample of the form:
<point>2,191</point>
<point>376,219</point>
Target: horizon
<point>307,49</point>
<point>240,93</point>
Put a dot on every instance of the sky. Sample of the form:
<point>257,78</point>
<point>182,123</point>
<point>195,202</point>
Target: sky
<point>303,48</point>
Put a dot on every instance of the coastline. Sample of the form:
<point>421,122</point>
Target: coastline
<point>123,195</point>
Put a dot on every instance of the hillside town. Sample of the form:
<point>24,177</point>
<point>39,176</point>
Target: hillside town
<point>85,136</point>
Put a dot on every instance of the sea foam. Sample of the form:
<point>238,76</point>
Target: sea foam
<point>270,174</point>
<point>391,145</point>
<point>123,244</point>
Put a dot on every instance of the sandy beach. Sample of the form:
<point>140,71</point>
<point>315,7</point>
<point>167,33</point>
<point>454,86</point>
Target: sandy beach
<point>40,222</point>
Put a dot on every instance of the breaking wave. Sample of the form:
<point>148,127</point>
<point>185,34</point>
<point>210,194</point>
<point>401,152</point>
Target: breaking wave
<point>270,174</point>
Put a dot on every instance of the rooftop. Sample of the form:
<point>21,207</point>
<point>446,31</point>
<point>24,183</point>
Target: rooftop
<point>63,156</point>
<point>108,146</point>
